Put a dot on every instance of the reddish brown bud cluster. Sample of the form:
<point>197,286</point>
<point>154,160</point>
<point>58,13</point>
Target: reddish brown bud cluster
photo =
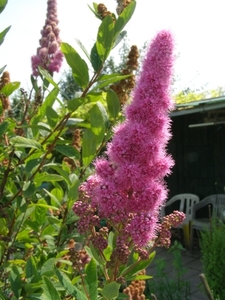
<point>79,258</point>
<point>135,290</point>
<point>121,5</point>
<point>5,79</point>
<point>124,87</point>
<point>103,12</point>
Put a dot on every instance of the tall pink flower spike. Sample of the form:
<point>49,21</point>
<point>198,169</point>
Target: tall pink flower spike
<point>128,188</point>
<point>49,55</point>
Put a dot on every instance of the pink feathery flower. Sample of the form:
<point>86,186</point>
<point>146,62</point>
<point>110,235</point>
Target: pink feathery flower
<point>49,55</point>
<point>128,188</point>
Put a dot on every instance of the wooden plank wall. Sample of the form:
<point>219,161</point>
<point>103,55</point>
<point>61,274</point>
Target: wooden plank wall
<point>199,155</point>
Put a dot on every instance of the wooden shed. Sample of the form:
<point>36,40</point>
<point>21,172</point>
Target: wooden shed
<point>198,148</point>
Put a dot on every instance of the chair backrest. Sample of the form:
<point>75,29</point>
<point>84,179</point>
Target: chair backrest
<point>216,203</point>
<point>186,202</point>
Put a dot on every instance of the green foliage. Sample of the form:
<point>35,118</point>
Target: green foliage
<point>212,246</point>
<point>166,288</point>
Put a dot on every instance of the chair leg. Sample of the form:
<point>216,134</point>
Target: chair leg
<point>186,231</point>
<point>191,239</point>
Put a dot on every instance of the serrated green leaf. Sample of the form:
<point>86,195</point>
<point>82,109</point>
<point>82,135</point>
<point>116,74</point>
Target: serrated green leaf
<point>77,64</point>
<point>95,59</point>
<point>4,32</point>
<point>23,142</point>
<point>49,291</point>
<point>9,88</point>
<point>69,287</point>
<point>111,290</point>
<point>105,37</point>
<point>124,18</point>
<point>89,145</point>
<point>113,103</point>
<point>92,280</point>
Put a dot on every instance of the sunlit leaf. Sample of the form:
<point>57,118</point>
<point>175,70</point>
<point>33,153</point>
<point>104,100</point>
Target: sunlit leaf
<point>113,103</point>
<point>96,61</point>
<point>3,4</point>
<point>49,290</point>
<point>9,88</point>
<point>77,64</point>
<point>89,145</point>
<point>4,32</point>
<point>111,290</point>
<point>92,280</point>
<point>105,37</point>
<point>20,141</point>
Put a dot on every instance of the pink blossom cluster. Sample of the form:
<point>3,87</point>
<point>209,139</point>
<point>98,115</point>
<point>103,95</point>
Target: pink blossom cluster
<point>49,55</point>
<point>128,186</point>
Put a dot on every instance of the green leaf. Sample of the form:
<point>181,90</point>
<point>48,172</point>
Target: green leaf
<point>99,121</point>
<point>111,290</point>
<point>73,189</point>
<point>3,33</point>
<point>15,280</point>
<point>83,48</point>
<point>91,279</point>
<point>119,38</point>
<point>89,146</point>
<point>49,291</point>
<point>66,283</point>
<point>3,127</point>
<point>42,177</point>
<point>67,150</point>
<point>95,59</point>
<point>113,103</point>
<point>73,104</point>
<point>52,116</point>
<point>9,88</point>
<point>105,37</point>
<point>31,270</point>
<point>3,5</point>
<point>139,277</point>
<point>40,212</point>
<point>48,268</point>
<point>106,80</point>
<point>23,142</point>
<point>32,164</point>
<point>77,64</point>
<point>124,18</point>
<point>47,76</point>
<point>137,267</point>
<point>49,101</point>
<point>92,252</point>
<point>28,189</point>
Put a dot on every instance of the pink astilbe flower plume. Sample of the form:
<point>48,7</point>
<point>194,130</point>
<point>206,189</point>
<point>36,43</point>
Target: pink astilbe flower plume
<point>128,188</point>
<point>49,55</point>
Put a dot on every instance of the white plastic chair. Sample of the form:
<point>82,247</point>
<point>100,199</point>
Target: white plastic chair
<point>213,206</point>
<point>183,203</point>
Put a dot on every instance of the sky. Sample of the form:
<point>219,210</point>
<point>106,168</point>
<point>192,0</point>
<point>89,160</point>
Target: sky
<point>197,25</point>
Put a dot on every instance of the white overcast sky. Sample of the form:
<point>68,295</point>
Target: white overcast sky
<point>197,25</point>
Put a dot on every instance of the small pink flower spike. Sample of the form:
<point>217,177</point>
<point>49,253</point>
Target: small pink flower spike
<point>49,55</point>
<point>128,188</point>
